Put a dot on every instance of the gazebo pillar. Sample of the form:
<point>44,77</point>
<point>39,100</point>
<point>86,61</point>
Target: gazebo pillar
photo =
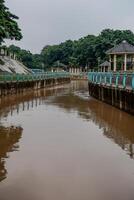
<point>110,60</point>
<point>125,62</point>
<point>115,62</point>
<point>109,68</point>
<point>133,63</point>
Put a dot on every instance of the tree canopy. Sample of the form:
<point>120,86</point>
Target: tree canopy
<point>88,51</point>
<point>9,28</point>
<point>26,57</point>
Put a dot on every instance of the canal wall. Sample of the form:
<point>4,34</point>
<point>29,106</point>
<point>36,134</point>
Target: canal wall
<point>10,64</point>
<point>14,87</point>
<point>114,88</point>
<point>118,97</point>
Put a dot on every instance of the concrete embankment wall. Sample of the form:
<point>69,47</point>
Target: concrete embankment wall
<point>15,87</point>
<point>120,98</point>
<point>13,66</point>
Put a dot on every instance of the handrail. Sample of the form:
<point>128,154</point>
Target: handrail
<point>32,77</point>
<point>119,80</point>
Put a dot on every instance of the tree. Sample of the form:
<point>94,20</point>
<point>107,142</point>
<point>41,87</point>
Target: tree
<point>9,28</point>
<point>89,51</point>
<point>14,49</point>
<point>51,54</point>
<point>73,62</point>
<point>27,58</point>
<point>84,51</point>
<point>108,38</point>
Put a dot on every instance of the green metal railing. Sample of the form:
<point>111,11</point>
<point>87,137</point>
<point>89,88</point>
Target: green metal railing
<point>120,80</point>
<point>32,77</point>
<point>80,74</point>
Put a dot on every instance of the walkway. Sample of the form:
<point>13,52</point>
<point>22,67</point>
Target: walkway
<point>119,80</point>
<point>32,77</point>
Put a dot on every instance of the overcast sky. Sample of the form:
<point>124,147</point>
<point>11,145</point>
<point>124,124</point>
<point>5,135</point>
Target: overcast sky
<point>46,22</point>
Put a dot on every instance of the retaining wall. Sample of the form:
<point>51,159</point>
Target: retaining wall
<point>14,87</point>
<point>120,98</point>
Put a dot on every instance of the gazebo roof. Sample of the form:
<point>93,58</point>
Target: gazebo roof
<point>123,47</point>
<point>105,64</point>
<point>59,64</point>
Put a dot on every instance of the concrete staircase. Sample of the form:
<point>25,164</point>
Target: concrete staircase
<point>13,66</point>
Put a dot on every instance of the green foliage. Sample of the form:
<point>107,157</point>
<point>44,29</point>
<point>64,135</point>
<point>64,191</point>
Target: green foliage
<point>85,52</point>
<point>1,62</point>
<point>109,38</point>
<point>27,58</point>
<point>8,26</point>
<point>73,62</point>
<point>54,53</point>
<point>88,51</point>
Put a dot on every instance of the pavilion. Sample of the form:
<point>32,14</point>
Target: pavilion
<point>105,67</point>
<point>121,57</point>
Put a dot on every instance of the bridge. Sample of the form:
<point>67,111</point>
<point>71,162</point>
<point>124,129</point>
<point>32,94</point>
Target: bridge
<point>115,88</point>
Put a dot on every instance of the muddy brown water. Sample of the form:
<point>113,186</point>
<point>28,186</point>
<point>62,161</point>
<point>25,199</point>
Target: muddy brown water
<point>61,144</point>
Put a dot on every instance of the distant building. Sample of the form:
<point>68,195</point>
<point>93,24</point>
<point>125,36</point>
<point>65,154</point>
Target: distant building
<point>37,71</point>
<point>121,57</point>
<point>105,67</point>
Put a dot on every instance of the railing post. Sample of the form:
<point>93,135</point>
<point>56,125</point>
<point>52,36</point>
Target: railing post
<point>133,81</point>
<point>92,77</point>
<point>95,77</point>
<point>105,79</point>
<point>117,80</point>
<point>100,78</point>
<point>111,76</point>
<point>124,80</point>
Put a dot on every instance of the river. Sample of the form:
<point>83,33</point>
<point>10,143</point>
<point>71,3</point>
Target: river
<point>61,144</point>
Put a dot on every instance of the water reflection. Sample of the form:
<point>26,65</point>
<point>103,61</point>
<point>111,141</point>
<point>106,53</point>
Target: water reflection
<point>115,124</point>
<point>26,101</point>
<point>9,138</point>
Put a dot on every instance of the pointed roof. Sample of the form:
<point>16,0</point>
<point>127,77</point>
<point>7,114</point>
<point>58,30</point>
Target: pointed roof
<point>59,64</point>
<point>105,64</point>
<point>123,47</point>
